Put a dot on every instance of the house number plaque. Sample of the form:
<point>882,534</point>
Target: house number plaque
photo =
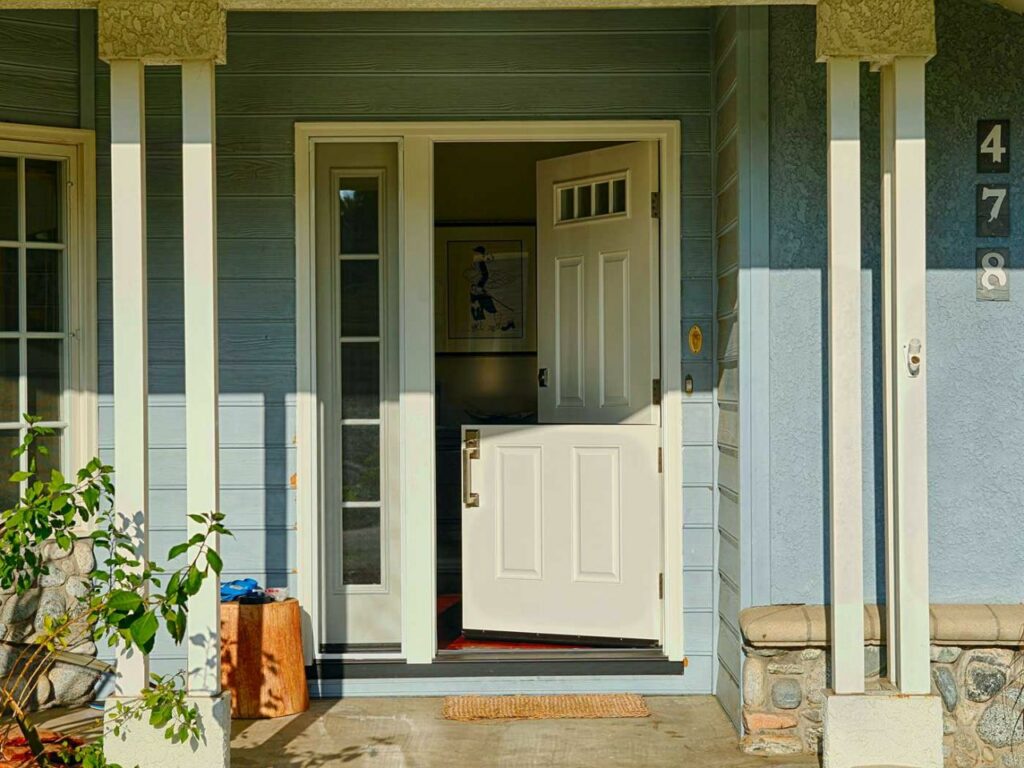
<point>992,204</point>
<point>993,146</point>
<point>993,274</point>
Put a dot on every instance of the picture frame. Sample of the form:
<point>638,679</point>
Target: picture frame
<point>486,289</point>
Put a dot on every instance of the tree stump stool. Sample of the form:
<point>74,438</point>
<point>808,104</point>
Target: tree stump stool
<point>261,659</point>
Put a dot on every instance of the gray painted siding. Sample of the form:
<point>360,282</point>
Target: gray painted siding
<point>38,88</point>
<point>976,350</point>
<point>285,67</point>
<point>728,136</point>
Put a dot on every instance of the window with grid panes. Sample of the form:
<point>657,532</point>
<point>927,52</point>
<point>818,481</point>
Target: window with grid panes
<point>33,326</point>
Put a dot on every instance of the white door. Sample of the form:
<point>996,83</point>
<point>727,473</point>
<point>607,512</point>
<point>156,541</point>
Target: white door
<point>561,521</point>
<point>597,268</point>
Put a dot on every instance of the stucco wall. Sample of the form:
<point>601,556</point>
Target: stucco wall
<point>975,349</point>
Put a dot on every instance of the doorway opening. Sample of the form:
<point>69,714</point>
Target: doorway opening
<point>546,307</point>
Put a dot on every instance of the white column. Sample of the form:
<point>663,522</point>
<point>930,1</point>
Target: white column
<point>128,234</point>
<point>199,190</point>
<point>909,376</point>
<point>844,375</point>
<point>416,403</point>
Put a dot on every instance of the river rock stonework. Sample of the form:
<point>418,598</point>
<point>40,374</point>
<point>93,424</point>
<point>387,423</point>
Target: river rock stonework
<point>21,619</point>
<point>981,691</point>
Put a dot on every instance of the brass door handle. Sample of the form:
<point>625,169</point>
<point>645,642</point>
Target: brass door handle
<point>470,452</point>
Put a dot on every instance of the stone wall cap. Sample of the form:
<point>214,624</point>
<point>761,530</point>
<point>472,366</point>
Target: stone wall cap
<point>806,626</point>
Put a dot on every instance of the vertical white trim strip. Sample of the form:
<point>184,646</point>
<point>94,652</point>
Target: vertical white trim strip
<point>888,138</point>
<point>846,543</point>
<point>416,398</point>
<point>910,408</point>
<point>128,234</point>
<point>199,193</point>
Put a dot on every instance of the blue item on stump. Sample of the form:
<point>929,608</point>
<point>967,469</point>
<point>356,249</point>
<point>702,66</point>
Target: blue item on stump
<point>233,590</point>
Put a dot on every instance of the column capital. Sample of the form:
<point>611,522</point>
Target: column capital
<point>875,30</point>
<point>162,31</point>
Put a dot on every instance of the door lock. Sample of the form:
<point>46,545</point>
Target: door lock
<point>542,377</point>
<point>914,357</point>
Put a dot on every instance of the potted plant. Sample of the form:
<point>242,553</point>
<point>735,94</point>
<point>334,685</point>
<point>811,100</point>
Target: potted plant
<point>119,602</point>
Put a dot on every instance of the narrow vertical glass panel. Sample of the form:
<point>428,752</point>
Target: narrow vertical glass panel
<point>602,200</point>
<point>42,201</point>
<point>9,492</point>
<point>43,289</point>
<point>44,378</point>
<point>8,198</point>
<point>360,459</point>
<point>360,215</point>
<point>567,204</point>
<point>8,289</point>
<point>619,196</point>
<point>360,298</point>
<point>9,370</point>
<point>47,459</point>
<point>360,546</point>
<point>584,197</point>
<point>360,380</point>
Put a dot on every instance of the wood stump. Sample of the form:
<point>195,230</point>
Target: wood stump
<point>261,659</point>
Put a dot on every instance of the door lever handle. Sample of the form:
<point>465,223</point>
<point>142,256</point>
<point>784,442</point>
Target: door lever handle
<point>542,377</point>
<point>470,452</point>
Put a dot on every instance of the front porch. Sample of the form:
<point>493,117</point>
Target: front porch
<point>682,730</point>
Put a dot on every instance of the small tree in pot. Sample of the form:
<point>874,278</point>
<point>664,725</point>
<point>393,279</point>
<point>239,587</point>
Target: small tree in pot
<point>122,603</point>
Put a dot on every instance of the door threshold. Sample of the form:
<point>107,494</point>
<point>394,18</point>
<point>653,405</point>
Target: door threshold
<point>589,655</point>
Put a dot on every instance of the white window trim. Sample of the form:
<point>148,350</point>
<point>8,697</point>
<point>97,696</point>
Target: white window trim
<point>78,148</point>
<point>416,340</point>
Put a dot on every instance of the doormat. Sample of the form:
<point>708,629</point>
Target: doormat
<point>574,706</point>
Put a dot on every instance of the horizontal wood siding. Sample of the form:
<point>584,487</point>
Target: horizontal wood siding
<point>39,68</point>
<point>727,213</point>
<point>375,66</point>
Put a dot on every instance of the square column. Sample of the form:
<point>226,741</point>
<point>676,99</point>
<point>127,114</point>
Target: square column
<point>128,214</point>
<point>844,376</point>
<point>903,89</point>
<point>199,191</point>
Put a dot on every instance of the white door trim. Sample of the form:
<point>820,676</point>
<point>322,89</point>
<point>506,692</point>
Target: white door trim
<point>416,351</point>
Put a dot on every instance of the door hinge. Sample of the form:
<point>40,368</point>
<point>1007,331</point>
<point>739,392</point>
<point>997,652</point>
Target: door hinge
<point>656,391</point>
<point>661,462</point>
<point>655,205</point>
<point>661,586</point>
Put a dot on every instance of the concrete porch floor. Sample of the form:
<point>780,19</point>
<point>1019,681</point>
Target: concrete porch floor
<point>683,732</point>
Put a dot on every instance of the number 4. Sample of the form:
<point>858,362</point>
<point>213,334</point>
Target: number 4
<point>993,144</point>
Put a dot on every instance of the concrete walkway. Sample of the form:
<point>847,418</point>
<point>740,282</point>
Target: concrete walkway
<point>683,732</point>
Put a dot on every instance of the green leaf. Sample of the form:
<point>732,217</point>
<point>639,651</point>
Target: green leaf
<point>123,602</point>
<point>177,550</point>
<point>214,560</point>
<point>143,631</point>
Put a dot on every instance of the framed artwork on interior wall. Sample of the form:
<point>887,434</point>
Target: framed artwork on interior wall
<point>486,289</point>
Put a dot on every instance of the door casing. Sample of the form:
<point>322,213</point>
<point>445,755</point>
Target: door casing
<point>416,474</point>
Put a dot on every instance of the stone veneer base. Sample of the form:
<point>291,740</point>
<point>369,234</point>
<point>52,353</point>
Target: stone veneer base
<point>882,729</point>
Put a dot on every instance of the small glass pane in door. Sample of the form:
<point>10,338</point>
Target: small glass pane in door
<point>360,298</point>
<point>360,546</point>
<point>9,375</point>
<point>8,466</point>
<point>360,380</point>
<point>360,457</point>
<point>360,216</point>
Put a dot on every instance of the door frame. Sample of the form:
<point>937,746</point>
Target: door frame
<point>415,273</point>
